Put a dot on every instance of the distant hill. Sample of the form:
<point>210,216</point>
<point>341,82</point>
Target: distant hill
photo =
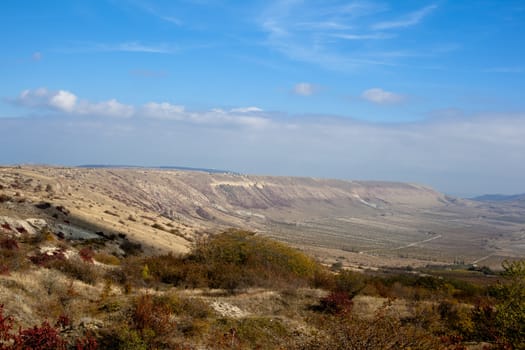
<point>500,197</point>
<point>162,167</point>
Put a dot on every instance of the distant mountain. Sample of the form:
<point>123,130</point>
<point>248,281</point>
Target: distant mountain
<point>163,167</point>
<point>500,197</point>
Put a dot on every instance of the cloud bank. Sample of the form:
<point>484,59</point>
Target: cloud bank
<point>68,104</point>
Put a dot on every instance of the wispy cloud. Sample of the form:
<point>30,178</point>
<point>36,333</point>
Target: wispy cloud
<point>305,89</point>
<point>148,8</point>
<point>137,47</point>
<point>128,46</point>
<point>373,36</point>
<point>408,20</point>
<point>333,36</point>
<point>148,73</point>
<point>380,96</point>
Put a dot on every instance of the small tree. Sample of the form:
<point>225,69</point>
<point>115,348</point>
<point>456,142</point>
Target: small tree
<point>510,309</point>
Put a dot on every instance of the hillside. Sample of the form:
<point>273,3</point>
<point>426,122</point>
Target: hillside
<point>360,222</point>
<point>500,197</point>
<point>141,259</point>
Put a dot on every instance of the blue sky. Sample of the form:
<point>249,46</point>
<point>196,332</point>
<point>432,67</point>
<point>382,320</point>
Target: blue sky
<point>420,91</point>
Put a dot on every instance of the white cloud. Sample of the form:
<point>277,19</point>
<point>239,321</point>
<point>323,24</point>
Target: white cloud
<point>246,110</point>
<point>110,108</point>
<point>63,100</point>
<point>67,102</point>
<point>380,96</point>
<point>242,116</point>
<point>372,36</point>
<point>163,110</point>
<point>304,89</point>
<point>410,20</point>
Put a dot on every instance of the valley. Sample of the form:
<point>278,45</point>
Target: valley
<point>359,223</point>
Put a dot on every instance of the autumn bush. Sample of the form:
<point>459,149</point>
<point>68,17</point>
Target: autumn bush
<point>384,331</point>
<point>248,333</point>
<point>510,306</point>
<point>43,337</point>
<point>76,269</point>
<point>233,260</point>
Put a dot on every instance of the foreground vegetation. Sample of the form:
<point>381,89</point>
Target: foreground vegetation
<point>238,290</point>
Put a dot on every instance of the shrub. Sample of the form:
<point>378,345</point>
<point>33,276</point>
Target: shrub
<point>131,248</point>
<point>76,269</point>
<point>384,331</point>
<point>336,303</point>
<point>484,319</point>
<point>12,257</point>
<point>150,323</point>
<point>86,254</point>
<point>181,306</point>
<point>239,258</point>
<point>5,198</point>
<point>234,260</point>
<point>510,308</point>
<point>349,282</point>
<point>44,259</point>
<point>107,259</point>
<point>9,243</point>
<point>457,318</point>
<point>248,333</point>
<point>43,337</point>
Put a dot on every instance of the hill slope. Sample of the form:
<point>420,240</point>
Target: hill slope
<point>362,222</point>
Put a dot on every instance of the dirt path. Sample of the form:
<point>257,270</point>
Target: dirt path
<point>413,244</point>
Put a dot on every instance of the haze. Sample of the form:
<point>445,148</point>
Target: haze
<point>418,91</point>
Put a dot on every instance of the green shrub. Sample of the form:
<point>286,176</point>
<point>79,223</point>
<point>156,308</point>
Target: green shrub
<point>107,259</point>
<point>76,269</point>
<point>510,308</point>
<point>234,260</point>
<point>248,333</point>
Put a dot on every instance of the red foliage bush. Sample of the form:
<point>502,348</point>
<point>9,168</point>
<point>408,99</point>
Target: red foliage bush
<point>9,243</point>
<point>336,303</point>
<point>87,254</point>
<point>6,325</point>
<point>63,321</point>
<point>43,259</point>
<point>43,337</point>
<point>86,343</point>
